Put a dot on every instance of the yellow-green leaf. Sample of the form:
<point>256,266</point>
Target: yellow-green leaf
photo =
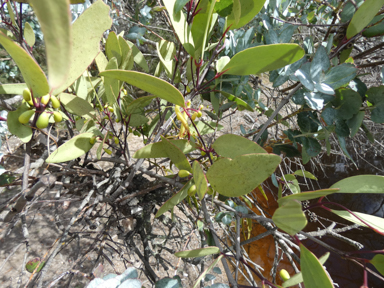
<point>198,252</point>
<point>231,146</point>
<point>308,195</point>
<point>263,58</point>
<point>29,34</point>
<point>376,222</point>
<point>16,88</point>
<point>199,179</point>
<point>240,16</point>
<point>290,217</point>
<point>55,20</point>
<point>148,83</point>
<point>198,281</point>
<point>378,262</point>
<point>176,155</point>
<point>157,150</point>
<point>77,105</point>
<point>361,184</point>
<point>23,132</point>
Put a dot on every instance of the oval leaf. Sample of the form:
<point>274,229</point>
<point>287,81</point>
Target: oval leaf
<point>363,16</point>
<point>148,83</point>
<point>247,10</point>
<point>231,146</point>
<point>33,75</point>
<point>16,88</point>
<point>157,150</point>
<point>199,179</point>
<point>198,252</point>
<point>314,275</point>
<point>263,58</point>
<point>377,223</point>
<point>24,132</point>
<point>77,105</point>
<point>55,20</point>
<point>177,157</point>
<point>76,147</point>
<point>361,184</point>
<point>241,175</point>
<point>29,34</point>
<point>86,34</point>
<point>290,217</point>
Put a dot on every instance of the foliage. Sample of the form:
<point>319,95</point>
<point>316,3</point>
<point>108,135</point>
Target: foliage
<point>208,58</point>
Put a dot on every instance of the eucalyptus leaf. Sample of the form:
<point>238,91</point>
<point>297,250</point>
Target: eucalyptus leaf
<point>289,217</point>
<point>231,146</point>
<point>198,252</point>
<point>377,223</point>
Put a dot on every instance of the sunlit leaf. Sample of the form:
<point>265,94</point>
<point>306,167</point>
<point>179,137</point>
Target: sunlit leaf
<point>22,131</point>
<point>376,222</point>
<point>241,104</point>
<point>361,184</point>
<point>55,20</point>
<point>29,34</point>
<point>77,105</point>
<point>248,10</point>
<point>241,175</point>
<point>198,252</point>
<point>378,262</point>
<point>76,147</point>
<point>15,88</point>
<point>290,218</point>
<point>305,174</point>
<point>264,58</point>
<point>157,150</point>
<point>138,57</point>
<point>199,179</point>
<point>307,195</point>
<point>176,155</point>
<point>231,146</point>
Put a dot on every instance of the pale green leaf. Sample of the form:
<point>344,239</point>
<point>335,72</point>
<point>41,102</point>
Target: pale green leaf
<point>157,150</point>
<point>264,58</point>
<point>137,105</point>
<point>76,147</point>
<point>290,217</point>
<point>111,85</point>
<point>16,88</point>
<point>308,195</point>
<point>11,13</point>
<point>314,275</point>
<point>366,12</point>
<point>176,155</point>
<point>55,20</point>
<point>205,127</point>
<point>29,35</point>
<point>175,199</point>
<point>198,252</point>
<point>137,120</point>
<point>33,75</point>
<point>126,55</point>
<point>376,222</point>
<point>298,278</point>
<point>361,184</point>
<point>167,51</point>
<point>199,179</point>
<point>22,131</point>
<point>241,175</point>
<point>148,83</point>
<point>101,62</point>
<point>85,38</point>
<point>248,9</point>
<point>378,262</point>
<point>305,174</point>
<point>138,57</point>
<point>220,64</point>
<point>112,47</point>
<point>241,104</point>
<point>77,105</point>
<point>231,146</point>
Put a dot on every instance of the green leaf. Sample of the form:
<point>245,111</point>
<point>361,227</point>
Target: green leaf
<point>340,75</point>
<point>355,122</point>
<point>231,146</point>
<point>347,103</point>
<point>248,9</point>
<point>167,51</point>
<point>176,155</point>
<point>55,20</point>
<point>377,223</point>
<point>205,127</point>
<point>314,275</point>
<point>366,12</point>
<point>179,4</point>
<point>85,39</point>
<point>76,147</point>
<point>29,35</point>
<point>137,105</point>
<point>23,132</point>
<point>377,114</point>
<point>378,262</point>
<point>241,175</point>
<point>11,13</point>
<point>137,120</point>
<point>305,174</point>
<point>198,252</point>
<point>224,7</point>
<point>241,104</point>
<point>175,199</point>
<point>32,264</point>
<point>77,105</point>
<point>199,179</point>
<point>320,63</point>
<point>157,150</point>
<point>290,218</point>
<point>112,47</point>
<point>198,281</point>
<point>148,83</point>
<point>16,88</point>
<point>127,58</point>
<point>112,86</point>
<point>138,57</point>
<point>373,184</point>
<point>374,31</point>
<point>33,75</point>
<point>298,278</point>
<point>264,58</point>
<point>375,95</point>
<point>307,195</point>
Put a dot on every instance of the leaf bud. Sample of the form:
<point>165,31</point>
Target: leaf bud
<point>284,275</point>
<point>25,116</point>
<point>192,190</point>
<point>55,102</point>
<point>43,120</point>
<point>45,99</point>
<point>184,173</point>
<point>57,116</point>
<point>27,94</point>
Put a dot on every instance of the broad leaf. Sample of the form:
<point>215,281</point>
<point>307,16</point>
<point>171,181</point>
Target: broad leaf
<point>137,105</point>
<point>290,218</point>
<point>76,147</point>
<point>199,179</point>
<point>157,150</point>
<point>305,174</point>
<point>175,199</point>
<point>86,34</point>
<point>307,195</point>
<point>376,222</point>
<point>22,131</point>
<point>241,175</point>
<point>33,75</point>
<point>112,86</point>
<point>167,51</point>
<point>198,252</point>
<point>263,58</point>
<point>366,12</point>
<point>112,47</point>
<point>16,88</point>
<point>77,105</point>
<point>314,275</point>
<point>148,83</point>
<point>179,4</point>
<point>339,75</point>
<point>361,184</point>
<point>205,127</point>
<point>320,63</point>
<point>378,262</point>
<point>29,34</point>
<point>248,9</point>
<point>176,155</point>
<point>55,20</point>
<point>231,146</point>
<point>241,104</point>
<point>138,57</point>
